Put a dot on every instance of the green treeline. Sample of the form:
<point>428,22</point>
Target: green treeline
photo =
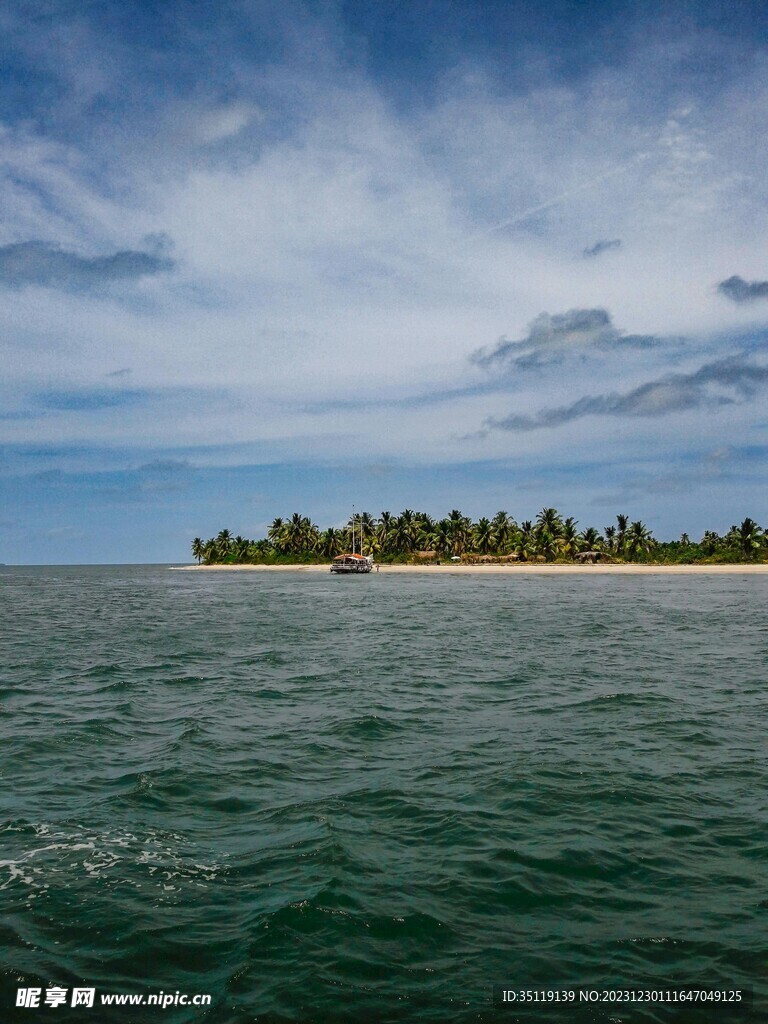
<point>416,536</point>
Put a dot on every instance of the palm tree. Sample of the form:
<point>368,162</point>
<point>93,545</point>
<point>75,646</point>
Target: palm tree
<point>710,542</point>
<point>590,538</point>
<point>301,534</point>
<point>501,530</point>
<point>547,544</point>
<point>483,535</point>
<point>549,528</point>
<point>331,543</point>
<point>224,543</point>
<point>373,546</point>
<point>623,522</point>
<point>526,542</point>
<point>459,526</point>
<point>367,524</point>
<point>405,531</point>
<point>260,550</point>
<point>198,549</point>
<point>747,538</point>
<point>440,538</point>
<point>426,522</point>
<point>638,538</point>
<point>276,534</point>
<point>293,533</point>
<point>570,537</point>
<point>549,519</point>
<point>311,535</point>
<point>384,529</point>
<point>610,536</point>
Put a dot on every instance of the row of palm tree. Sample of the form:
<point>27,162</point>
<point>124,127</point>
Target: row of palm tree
<point>746,540</point>
<point>416,534</point>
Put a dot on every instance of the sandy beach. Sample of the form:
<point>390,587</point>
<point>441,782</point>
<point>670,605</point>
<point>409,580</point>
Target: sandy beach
<point>527,568</point>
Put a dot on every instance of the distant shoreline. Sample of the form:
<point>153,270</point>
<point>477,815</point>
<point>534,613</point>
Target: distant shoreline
<point>526,568</point>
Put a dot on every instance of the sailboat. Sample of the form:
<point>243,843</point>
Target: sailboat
<point>352,561</point>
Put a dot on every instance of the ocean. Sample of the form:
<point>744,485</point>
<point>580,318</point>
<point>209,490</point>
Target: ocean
<point>374,798</point>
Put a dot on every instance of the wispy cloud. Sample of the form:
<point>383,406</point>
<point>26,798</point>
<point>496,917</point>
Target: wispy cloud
<point>42,263</point>
<point>91,399</point>
<point>64,533</point>
<point>550,338</point>
<point>165,475</point>
<point>719,383</point>
<point>603,246</point>
<point>165,466</point>
<point>739,290</point>
<point>583,186</point>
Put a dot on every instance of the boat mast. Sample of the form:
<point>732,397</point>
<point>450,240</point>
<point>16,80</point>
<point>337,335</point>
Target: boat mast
<point>353,529</point>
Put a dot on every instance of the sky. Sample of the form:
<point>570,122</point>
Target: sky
<point>267,257</point>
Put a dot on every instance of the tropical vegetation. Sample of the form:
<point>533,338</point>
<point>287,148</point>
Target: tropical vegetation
<point>417,537</point>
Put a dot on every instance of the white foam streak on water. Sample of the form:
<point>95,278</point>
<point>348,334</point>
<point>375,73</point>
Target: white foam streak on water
<point>151,852</point>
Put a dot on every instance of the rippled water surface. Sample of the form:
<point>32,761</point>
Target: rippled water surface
<point>369,799</point>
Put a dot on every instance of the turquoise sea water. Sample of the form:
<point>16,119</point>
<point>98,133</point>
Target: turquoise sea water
<point>370,799</point>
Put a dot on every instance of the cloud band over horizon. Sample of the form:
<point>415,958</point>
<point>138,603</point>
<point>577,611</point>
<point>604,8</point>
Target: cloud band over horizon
<point>715,384</point>
<point>45,264</point>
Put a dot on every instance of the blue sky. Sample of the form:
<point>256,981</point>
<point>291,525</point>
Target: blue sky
<point>265,257</point>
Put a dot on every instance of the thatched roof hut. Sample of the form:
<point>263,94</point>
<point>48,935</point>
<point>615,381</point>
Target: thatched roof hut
<point>591,557</point>
<point>473,558</point>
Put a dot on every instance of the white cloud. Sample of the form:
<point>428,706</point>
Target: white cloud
<point>362,253</point>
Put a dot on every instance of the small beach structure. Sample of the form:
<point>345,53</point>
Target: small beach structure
<point>592,557</point>
<point>473,558</point>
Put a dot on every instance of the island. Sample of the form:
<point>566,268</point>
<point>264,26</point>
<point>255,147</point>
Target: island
<point>417,539</point>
